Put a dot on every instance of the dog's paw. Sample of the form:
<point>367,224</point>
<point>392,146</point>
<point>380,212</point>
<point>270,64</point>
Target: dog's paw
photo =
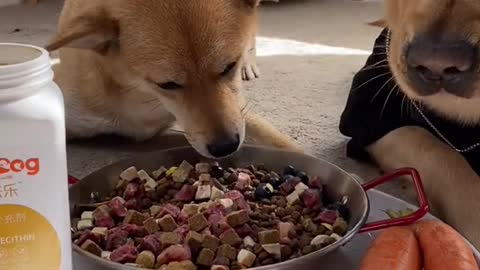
<point>250,71</point>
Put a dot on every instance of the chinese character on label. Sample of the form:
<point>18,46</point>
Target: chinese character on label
<point>2,221</point>
<point>9,219</point>
<point>8,191</point>
<point>20,217</point>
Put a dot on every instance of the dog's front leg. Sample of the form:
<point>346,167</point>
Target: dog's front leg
<point>260,131</point>
<point>250,69</point>
<point>451,184</point>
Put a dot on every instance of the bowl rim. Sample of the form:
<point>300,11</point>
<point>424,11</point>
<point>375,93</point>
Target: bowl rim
<point>316,254</point>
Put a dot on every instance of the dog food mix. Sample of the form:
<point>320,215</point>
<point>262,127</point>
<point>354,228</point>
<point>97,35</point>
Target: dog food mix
<point>203,216</point>
<point>34,212</point>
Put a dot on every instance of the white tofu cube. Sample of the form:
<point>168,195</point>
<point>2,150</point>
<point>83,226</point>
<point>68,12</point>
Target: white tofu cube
<point>156,174</point>
<point>226,203</point>
<point>106,255</point>
<point>216,193</point>
<point>203,192</point>
<point>84,224</point>
<point>150,184</point>
<point>204,179</point>
<point>246,258</point>
<point>100,231</point>
<point>336,236</point>
<point>301,187</point>
<point>87,215</point>
<point>180,175</point>
<point>293,197</point>
<point>248,241</point>
<point>129,174</point>
<point>190,209</point>
<point>202,168</point>
<point>274,249</point>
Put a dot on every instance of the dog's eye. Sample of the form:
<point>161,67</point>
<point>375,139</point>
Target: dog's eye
<point>170,86</point>
<point>228,68</point>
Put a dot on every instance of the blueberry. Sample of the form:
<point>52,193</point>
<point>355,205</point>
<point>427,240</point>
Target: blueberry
<point>275,182</point>
<point>287,177</point>
<point>303,176</point>
<point>289,170</point>
<point>341,208</point>
<point>217,171</point>
<point>263,191</point>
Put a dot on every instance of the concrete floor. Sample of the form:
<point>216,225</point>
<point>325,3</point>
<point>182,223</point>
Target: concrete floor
<point>302,89</point>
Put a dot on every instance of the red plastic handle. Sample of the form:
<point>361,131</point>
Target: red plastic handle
<point>72,180</point>
<point>402,221</point>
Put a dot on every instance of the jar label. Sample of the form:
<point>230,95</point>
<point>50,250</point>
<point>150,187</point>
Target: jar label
<point>27,240</point>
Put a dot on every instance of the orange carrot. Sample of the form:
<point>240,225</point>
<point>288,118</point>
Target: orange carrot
<point>394,249</point>
<point>443,247</point>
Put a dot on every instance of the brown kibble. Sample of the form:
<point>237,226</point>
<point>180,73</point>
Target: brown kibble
<point>269,237</point>
<point>194,239</point>
<point>169,239</point>
<point>296,215</point>
<point>286,252</point>
<point>340,226</point>
<point>230,237</point>
<point>183,265</point>
<point>155,209</point>
<point>263,255</point>
<point>237,218</point>
<point>227,251</point>
<point>221,261</point>
<point>267,261</point>
<point>134,217</point>
<point>205,257</point>
<point>308,249</point>
<point>210,242</point>
<point>197,222</point>
<point>146,259</point>
<point>167,223</point>
<point>92,247</point>
<point>151,225</point>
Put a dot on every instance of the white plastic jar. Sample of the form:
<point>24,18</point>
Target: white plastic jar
<point>34,211</point>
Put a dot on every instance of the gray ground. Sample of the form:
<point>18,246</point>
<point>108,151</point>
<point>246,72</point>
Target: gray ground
<point>303,95</point>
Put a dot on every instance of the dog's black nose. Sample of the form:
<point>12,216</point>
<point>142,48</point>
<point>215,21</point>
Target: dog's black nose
<point>224,146</point>
<point>433,65</point>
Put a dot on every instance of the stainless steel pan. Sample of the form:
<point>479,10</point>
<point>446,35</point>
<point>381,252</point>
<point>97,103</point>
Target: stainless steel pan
<point>338,183</point>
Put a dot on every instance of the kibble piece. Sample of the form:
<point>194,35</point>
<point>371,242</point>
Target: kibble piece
<point>155,209</point>
<point>129,174</point>
<point>160,172</point>
<point>201,168</point>
<point>222,261</point>
<point>340,226</point>
<point>210,242</point>
<point>238,218</point>
<point>293,198</point>
<point>84,224</point>
<point>169,239</point>
<point>301,187</point>
<point>230,237</point>
<point>146,259</point>
<point>181,173</point>
<point>194,240</point>
<point>134,217</point>
<point>205,257</point>
<point>216,193</point>
<point>203,192</point>
<point>190,209</point>
<point>273,249</point>
<point>151,225</point>
<point>87,215</point>
<point>92,247</point>
<point>269,237</point>
<point>335,236</point>
<point>183,265</point>
<point>150,184</point>
<point>106,255</point>
<point>102,231</point>
<point>246,258</point>
<point>248,241</point>
<point>204,179</point>
<point>319,240</point>
<point>167,223</point>
<point>197,222</point>
<point>227,251</point>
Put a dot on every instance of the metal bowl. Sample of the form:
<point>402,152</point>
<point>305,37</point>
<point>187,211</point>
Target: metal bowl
<point>338,184</point>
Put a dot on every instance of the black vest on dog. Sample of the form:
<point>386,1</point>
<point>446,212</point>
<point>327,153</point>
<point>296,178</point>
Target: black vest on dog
<point>376,107</point>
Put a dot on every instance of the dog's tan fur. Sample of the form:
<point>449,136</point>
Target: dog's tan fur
<point>451,184</point>
<point>115,53</point>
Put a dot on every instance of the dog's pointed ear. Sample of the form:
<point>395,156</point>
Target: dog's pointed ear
<point>378,23</point>
<point>90,29</point>
<point>252,3</point>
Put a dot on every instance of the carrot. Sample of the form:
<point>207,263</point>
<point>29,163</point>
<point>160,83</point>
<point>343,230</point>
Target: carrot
<point>443,247</point>
<point>394,249</point>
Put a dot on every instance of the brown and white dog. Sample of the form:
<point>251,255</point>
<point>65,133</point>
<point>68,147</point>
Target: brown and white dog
<point>134,67</point>
<point>416,103</point>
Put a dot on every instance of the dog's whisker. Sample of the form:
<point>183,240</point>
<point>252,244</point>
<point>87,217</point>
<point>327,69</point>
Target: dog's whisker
<point>373,68</point>
<point>377,63</point>
<point>381,88</point>
<point>386,100</point>
<point>372,79</point>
